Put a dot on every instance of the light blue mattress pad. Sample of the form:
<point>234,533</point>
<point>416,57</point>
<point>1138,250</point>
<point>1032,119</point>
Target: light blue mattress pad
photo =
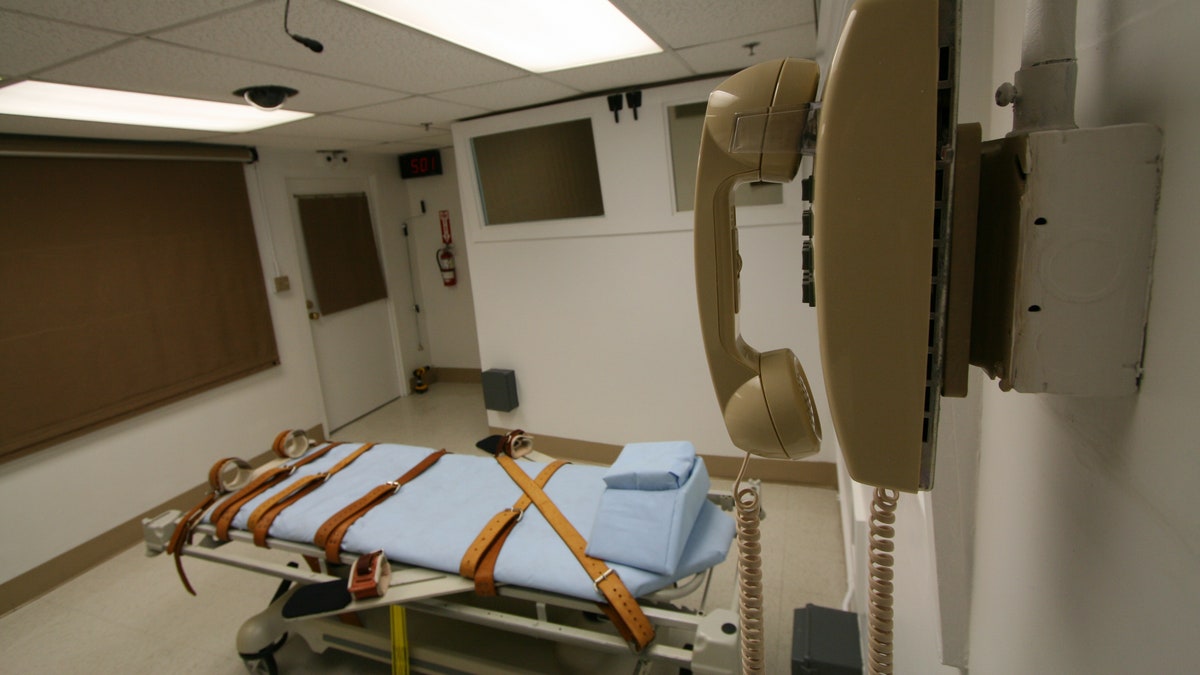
<point>432,520</point>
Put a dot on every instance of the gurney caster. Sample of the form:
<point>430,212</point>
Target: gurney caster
<point>264,634</point>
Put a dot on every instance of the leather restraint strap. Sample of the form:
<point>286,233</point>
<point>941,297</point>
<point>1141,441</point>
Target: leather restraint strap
<point>622,607</point>
<point>516,444</point>
<point>262,517</point>
<point>329,535</point>
<point>182,535</point>
<point>479,562</point>
<point>222,516</point>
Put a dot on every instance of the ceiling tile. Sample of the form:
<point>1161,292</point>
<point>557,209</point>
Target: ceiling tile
<point>158,68</point>
<point>798,41</point>
<point>686,23</point>
<point>127,16</point>
<point>28,43</point>
<point>626,73</point>
<point>359,46</point>
<point>510,94</point>
<point>375,82</point>
<point>417,110</point>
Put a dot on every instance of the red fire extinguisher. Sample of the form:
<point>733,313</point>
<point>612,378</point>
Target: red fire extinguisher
<point>445,261</point>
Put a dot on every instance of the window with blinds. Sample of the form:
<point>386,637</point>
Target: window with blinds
<point>125,283</point>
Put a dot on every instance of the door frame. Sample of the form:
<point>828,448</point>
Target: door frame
<point>306,186</point>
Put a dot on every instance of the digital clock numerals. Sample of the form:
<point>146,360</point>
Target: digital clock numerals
<point>423,165</point>
<point>418,164</point>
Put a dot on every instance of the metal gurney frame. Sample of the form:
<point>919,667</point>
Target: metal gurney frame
<point>712,637</point>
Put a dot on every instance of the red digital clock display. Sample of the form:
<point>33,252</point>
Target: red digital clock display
<point>418,164</point>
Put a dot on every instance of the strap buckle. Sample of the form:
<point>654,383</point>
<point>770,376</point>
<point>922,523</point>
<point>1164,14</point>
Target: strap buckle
<point>396,485</point>
<point>520,513</point>
<point>608,571</point>
<point>370,576</point>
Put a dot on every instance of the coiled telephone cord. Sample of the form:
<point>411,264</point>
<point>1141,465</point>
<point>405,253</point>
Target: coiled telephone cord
<point>750,599</point>
<point>880,614</point>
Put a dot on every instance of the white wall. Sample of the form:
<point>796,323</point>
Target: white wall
<point>447,312</point>
<point>1087,542</point>
<point>1083,527</point>
<point>60,497</point>
<point>598,316</point>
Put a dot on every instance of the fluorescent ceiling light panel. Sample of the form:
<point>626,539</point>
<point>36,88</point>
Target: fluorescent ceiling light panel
<point>70,102</point>
<point>537,35</point>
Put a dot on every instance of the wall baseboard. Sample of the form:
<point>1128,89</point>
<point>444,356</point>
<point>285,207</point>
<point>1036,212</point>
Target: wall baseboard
<point>815,474</point>
<point>463,375</point>
<point>51,574</point>
<point>316,434</point>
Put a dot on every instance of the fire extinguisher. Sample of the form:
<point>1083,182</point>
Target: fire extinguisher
<point>445,261</point>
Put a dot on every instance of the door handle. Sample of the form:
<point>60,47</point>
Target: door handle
<point>314,315</point>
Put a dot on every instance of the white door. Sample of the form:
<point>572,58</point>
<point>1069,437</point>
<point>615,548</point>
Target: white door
<point>353,338</point>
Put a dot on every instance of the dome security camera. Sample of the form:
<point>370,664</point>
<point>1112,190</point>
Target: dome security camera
<point>266,96</point>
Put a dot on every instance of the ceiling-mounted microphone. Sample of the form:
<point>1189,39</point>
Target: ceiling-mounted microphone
<point>306,41</point>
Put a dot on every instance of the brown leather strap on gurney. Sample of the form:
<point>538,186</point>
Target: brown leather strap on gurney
<point>479,562</point>
<point>515,444</point>
<point>183,529</point>
<point>622,607</point>
<point>329,535</point>
<point>262,517</point>
<point>222,516</point>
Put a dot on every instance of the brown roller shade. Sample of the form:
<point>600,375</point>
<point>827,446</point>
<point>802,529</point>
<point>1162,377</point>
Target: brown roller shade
<point>125,284</point>
<point>342,255</point>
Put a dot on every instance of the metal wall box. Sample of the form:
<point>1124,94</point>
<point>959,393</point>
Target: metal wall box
<point>1064,254</point>
<point>499,389</point>
<point>825,642</point>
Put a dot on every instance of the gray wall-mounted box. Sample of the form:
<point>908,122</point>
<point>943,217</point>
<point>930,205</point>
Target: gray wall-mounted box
<point>499,389</point>
<point>825,642</point>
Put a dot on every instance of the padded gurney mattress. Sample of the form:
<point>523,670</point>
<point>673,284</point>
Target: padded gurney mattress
<point>432,520</point>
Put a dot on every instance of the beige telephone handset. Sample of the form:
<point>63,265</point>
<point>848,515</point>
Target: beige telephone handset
<point>764,397</point>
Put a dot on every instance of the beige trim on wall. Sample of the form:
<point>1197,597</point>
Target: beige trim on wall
<point>463,375</point>
<point>59,570</point>
<point>816,474</point>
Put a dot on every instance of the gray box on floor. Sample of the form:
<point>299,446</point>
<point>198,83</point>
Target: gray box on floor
<point>499,389</point>
<point>825,642</point>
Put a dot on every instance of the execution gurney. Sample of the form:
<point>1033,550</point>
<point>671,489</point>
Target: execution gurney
<point>434,515</point>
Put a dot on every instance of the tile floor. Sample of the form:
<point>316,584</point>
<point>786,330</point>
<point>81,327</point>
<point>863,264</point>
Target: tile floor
<point>131,616</point>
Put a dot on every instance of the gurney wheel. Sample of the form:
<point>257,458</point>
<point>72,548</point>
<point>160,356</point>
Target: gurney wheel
<point>261,665</point>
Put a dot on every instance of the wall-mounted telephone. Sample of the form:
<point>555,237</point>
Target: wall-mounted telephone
<point>875,266</point>
<point>898,195</point>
